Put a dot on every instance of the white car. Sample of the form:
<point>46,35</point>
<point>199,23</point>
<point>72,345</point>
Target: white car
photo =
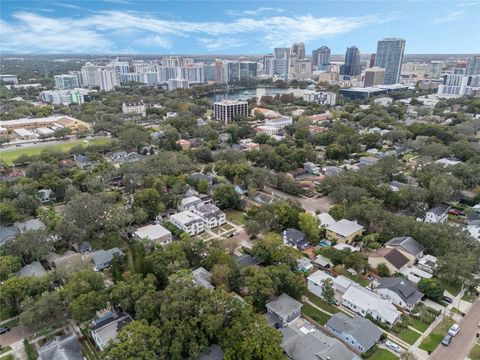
<point>454,330</point>
<point>393,346</point>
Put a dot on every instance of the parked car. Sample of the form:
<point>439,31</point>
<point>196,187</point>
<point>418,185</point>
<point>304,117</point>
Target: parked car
<point>18,145</point>
<point>447,340</point>
<point>236,232</point>
<point>370,278</point>
<point>393,346</point>
<point>448,299</point>
<point>4,330</point>
<point>454,330</point>
<point>456,212</point>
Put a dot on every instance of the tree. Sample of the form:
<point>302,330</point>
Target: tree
<point>85,306</point>
<point>137,340</point>
<point>8,266</point>
<point>328,292</point>
<point>62,133</point>
<point>432,288</point>
<point>49,311</point>
<point>310,225</point>
<point>33,245</point>
<point>8,214</point>
<point>383,270</point>
<point>202,186</point>
<point>150,201</point>
<point>125,293</point>
<point>82,282</point>
<point>226,197</point>
<point>272,251</point>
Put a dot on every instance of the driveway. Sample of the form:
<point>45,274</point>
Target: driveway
<point>17,333</point>
<point>461,344</point>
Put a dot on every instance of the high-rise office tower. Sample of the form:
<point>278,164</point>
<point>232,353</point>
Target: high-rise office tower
<point>352,62</point>
<point>219,71</point>
<point>473,66</point>
<point>374,76</point>
<point>390,56</point>
<point>282,59</point>
<point>122,67</point>
<point>65,81</point>
<point>321,57</point>
<point>209,71</point>
<point>436,69</point>
<point>372,60</point>
<point>269,65</point>
<point>298,50</point>
<point>248,70</point>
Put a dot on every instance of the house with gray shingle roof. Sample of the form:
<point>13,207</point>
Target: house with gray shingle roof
<point>8,233</point>
<point>102,258</point>
<point>437,215</point>
<point>283,310</point>
<point>31,270</point>
<point>61,348</point>
<point>203,278</point>
<point>399,291</point>
<point>105,328</point>
<point>358,332</point>
<point>408,246</point>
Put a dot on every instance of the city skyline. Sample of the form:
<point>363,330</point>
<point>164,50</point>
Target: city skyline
<point>246,28</point>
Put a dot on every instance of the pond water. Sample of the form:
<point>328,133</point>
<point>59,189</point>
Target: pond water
<point>245,94</point>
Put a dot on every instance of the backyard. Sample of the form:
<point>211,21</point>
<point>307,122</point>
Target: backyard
<point>315,314</point>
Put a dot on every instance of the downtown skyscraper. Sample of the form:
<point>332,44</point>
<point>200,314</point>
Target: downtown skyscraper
<point>352,62</point>
<point>390,56</point>
<point>321,57</point>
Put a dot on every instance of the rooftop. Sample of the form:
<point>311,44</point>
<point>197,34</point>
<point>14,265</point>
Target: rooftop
<point>406,243</point>
<point>345,227</point>
<point>404,288</point>
<point>152,232</point>
<point>361,329</point>
<point>394,257</point>
<point>284,305</point>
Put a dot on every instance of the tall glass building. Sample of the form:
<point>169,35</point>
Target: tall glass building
<point>352,62</point>
<point>390,56</point>
<point>321,56</point>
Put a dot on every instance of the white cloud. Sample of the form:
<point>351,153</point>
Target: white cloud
<point>156,41</point>
<point>453,16</point>
<point>254,12</point>
<point>108,31</point>
<point>220,43</point>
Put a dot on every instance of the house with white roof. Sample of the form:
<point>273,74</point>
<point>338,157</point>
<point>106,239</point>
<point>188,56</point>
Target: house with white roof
<point>211,215</point>
<point>104,329</point>
<point>156,233</point>
<point>344,231</point>
<point>188,221</point>
<point>316,280</point>
<point>325,219</point>
<point>428,263</point>
<point>365,302</point>
<point>189,203</point>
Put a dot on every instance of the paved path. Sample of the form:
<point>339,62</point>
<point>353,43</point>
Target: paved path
<point>17,333</point>
<point>461,344</point>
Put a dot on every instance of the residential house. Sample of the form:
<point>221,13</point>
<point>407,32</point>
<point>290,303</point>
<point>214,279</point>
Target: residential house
<point>30,225</point>
<point>305,342</point>
<point>437,215</point>
<point>203,278</point>
<point>332,170</point>
<point>365,302</point>
<point>188,221</point>
<point>357,332</point>
<point>316,280</point>
<point>102,258</point>
<point>199,176</point>
<point>408,246</point>
<point>325,219</point>
<point>262,198</point>
<point>62,347</point>
<point>414,274</point>
<point>82,161</point>
<point>32,270</point>
<point>189,203</point>
<point>246,260</point>
<point>368,160</point>
<point>342,283</point>
<point>184,144</point>
<point>46,195</point>
<point>155,233</point>
<point>428,263</point>
<point>322,262</point>
<point>213,352</point>
<point>70,260</point>
<point>105,329</point>
<point>399,291</point>
<point>211,215</point>
<point>84,247</point>
<point>241,189</point>
<point>295,238</point>
<point>392,258</point>
<point>473,228</point>
<point>8,233</point>
<point>344,231</point>
<point>283,310</point>
<point>311,168</point>
<point>304,265</point>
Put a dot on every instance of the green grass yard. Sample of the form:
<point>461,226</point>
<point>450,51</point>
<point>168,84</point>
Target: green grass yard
<point>435,338</point>
<point>409,336</point>
<point>475,353</point>
<point>382,354</point>
<point>9,155</point>
<point>237,217</point>
<point>315,314</point>
<point>322,304</point>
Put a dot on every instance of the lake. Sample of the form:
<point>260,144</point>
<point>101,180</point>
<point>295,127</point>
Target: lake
<point>245,94</point>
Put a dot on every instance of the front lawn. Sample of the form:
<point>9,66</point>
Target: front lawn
<point>475,353</point>
<point>470,297</point>
<point>452,289</point>
<point>409,336</point>
<point>237,217</point>
<point>315,314</point>
<point>435,338</point>
<point>382,354</point>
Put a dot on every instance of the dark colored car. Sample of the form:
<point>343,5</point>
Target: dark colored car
<point>4,330</point>
<point>447,299</point>
<point>447,340</point>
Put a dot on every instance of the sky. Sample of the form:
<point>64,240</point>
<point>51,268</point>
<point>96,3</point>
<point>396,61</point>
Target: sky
<point>235,27</point>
